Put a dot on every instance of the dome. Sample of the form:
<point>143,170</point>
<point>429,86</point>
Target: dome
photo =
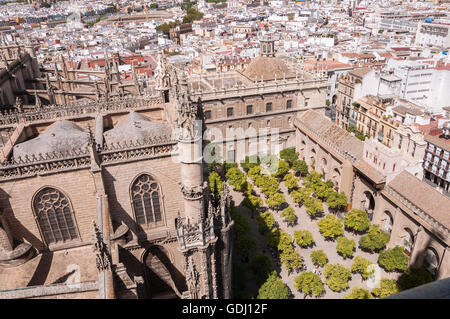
<point>267,69</point>
<point>134,127</point>
<point>61,136</point>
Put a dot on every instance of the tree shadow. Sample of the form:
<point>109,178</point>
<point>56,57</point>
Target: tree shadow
<point>16,226</point>
<point>42,270</point>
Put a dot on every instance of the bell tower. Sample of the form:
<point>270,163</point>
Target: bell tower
<point>266,46</point>
<point>203,231</point>
<point>162,77</point>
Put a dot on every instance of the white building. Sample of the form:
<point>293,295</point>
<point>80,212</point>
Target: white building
<point>433,34</point>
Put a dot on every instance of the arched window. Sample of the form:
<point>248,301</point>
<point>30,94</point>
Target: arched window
<point>54,215</point>
<point>146,197</point>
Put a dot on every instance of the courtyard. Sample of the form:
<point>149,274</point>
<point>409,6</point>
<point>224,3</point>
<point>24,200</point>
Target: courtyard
<point>303,221</point>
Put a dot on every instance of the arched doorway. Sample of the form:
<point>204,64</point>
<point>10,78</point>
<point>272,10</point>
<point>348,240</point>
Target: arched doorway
<point>336,178</point>
<point>431,261</point>
<point>312,158</point>
<point>408,241</point>
<point>388,222</point>
<point>158,278</point>
<point>368,204</point>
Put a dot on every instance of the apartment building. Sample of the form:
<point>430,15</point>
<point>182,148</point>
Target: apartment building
<point>437,160</point>
<point>433,35</point>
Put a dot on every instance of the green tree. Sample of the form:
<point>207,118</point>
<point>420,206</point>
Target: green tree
<point>312,179</point>
<point>322,191</point>
<point>267,184</point>
<point>285,241</point>
<point>274,288</point>
<point>310,284</point>
<point>330,227</point>
<point>337,201</point>
<point>393,259</point>
<point>165,27</point>
<point>192,15</point>
<point>329,183</point>
<point>361,265</point>
<point>239,278</point>
<point>345,246</point>
<point>313,206</point>
<point>228,165</point>
<point>283,169</point>
<point>289,155</point>
<point>289,216</point>
<point>244,243</point>
<point>215,178</point>
<point>252,202</point>
<point>387,287</point>
<point>290,181</point>
<point>303,238</point>
<point>300,167</point>
<point>265,221</point>
<point>357,220</point>
<point>318,257</point>
<point>414,277</point>
<point>236,179</point>
<point>276,201</point>
<point>291,259</point>
<point>249,162</point>
<point>374,240</point>
<point>359,293</point>
<point>260,267</point>
<point>254,172</point>
<point>301,195</point>
<point>273,237</point>
<point>337,277</point>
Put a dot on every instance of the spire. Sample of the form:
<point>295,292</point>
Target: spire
<point>38,103</point>
<point>19,105</point>
<point>161,75</point>
<point>97,90</point>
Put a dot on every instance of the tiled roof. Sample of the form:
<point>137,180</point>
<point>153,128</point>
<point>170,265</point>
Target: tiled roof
<point>360,72</point>
<point>423,196</point>
<point>370,172</point>
<point>267,69</point>
<point>331,132</point>
<point>439,142</point>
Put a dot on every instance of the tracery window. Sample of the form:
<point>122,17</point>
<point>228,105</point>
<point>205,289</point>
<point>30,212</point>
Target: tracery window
<point>54,215</point>
<point>147,204</point>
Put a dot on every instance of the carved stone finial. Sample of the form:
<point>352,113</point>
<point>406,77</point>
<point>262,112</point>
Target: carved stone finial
<point>103,258</point>
<point>19,105</point>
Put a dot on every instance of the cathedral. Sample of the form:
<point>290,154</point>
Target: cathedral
<point>103,190</point>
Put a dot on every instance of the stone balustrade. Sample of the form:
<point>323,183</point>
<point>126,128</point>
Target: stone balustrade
<point>56,162</point>
<point>55,112</point>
